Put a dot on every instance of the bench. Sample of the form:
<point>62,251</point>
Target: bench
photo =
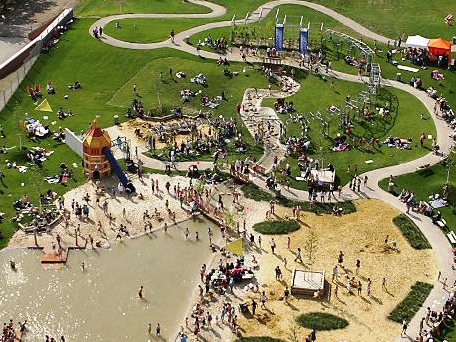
<point>441,223</point>
<point>452,237</point>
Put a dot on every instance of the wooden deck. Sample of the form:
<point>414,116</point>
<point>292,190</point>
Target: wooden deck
<point>54,258</point>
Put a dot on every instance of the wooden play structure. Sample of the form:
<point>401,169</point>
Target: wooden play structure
<point>96,164</point>
<point>98,160</point>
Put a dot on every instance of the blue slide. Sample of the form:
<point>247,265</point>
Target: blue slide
<point>123,179</point>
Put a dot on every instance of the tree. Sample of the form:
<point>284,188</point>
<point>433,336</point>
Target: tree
<point>230,219</point>
<point>310,246</point>
<point>199,186</point>
<point>293,335</point>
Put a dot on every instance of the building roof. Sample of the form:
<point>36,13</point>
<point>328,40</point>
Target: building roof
<point>96,137</point>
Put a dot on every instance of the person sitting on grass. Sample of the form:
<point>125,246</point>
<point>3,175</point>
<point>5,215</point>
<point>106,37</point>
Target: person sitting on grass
<point>50,88</point>
<point>75,86</point>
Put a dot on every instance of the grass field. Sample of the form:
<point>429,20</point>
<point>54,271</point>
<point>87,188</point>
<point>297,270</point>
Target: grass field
<point>252,191</point>
<point>411,232</point>
<point>149,30</point>
<point>106,93</point>
<point>428,181</point>
<point>276,227</point>
<point>110,7</point>
<point>392,18</point>
<point>316,95</point>
<point>446,87</point>
<point>412,303</point>
<point>321,321</point>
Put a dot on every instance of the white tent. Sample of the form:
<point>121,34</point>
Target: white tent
<point>417,42</point>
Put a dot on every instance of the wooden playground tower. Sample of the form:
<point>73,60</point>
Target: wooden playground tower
<point>96,164</point>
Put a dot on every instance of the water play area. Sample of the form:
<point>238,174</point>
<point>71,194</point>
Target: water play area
<point>101,303</point>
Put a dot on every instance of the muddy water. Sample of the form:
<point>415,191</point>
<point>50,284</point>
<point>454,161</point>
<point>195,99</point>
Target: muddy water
<point>102,302</point>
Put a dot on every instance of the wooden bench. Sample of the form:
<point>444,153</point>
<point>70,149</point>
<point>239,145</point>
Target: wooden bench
<point>452,237</point>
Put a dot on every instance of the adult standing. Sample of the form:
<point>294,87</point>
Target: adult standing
<point>272,243</point>
<point>263,300</point>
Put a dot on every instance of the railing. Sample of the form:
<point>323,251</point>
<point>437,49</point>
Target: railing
<point>15,68</point>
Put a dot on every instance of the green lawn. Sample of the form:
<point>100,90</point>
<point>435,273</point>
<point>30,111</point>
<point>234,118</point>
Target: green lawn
<point>321,321</point>
<point>106,91</point>
<point>110,7</point>
<point>393,18</point>
<point>316,95</point>
<point>252,191</point>
<point>411,232</point>
<point>428,181</point>
<point>265,29</point>
<point>275,227</point>
<point>149,30</point>
<point>411,303</point>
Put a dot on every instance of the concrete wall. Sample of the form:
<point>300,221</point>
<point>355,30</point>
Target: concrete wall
<point>22,61</point>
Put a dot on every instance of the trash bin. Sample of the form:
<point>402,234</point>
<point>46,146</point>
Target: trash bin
<point>116,119</point>
<point>398,76</point>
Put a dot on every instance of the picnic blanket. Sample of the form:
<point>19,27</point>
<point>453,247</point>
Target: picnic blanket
<point>438,203</point>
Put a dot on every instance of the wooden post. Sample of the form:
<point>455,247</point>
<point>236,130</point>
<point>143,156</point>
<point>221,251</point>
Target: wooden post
<point>35,238</point>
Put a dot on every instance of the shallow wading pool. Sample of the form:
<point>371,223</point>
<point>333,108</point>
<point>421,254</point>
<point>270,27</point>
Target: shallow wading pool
<point>102,303</point>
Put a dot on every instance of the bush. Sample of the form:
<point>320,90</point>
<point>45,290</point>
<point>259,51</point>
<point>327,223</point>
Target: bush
<point>321,321</point>
<point>252,191</point>
<point>276,227</point>
<point>411,232</point>
<point>412,303</point>
<point>324,208</point>
<point>258,339</point>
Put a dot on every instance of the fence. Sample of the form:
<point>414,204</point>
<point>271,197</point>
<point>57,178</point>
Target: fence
<point>14,70</point>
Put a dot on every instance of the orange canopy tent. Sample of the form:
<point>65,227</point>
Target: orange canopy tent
<point>440,47</point>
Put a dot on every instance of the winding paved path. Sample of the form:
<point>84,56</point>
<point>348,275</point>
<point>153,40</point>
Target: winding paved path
<point>437,239</point>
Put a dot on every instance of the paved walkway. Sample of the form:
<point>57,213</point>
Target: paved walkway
<point>255,116</point>
<point>437,239</point>
<point>10,45</point>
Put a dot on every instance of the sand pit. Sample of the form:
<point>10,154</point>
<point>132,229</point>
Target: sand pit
<point>360,236</point>
<point>127,130</point>
<point>134,208</point>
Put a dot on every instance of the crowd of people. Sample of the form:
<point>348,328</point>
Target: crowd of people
<point>11,333</point>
